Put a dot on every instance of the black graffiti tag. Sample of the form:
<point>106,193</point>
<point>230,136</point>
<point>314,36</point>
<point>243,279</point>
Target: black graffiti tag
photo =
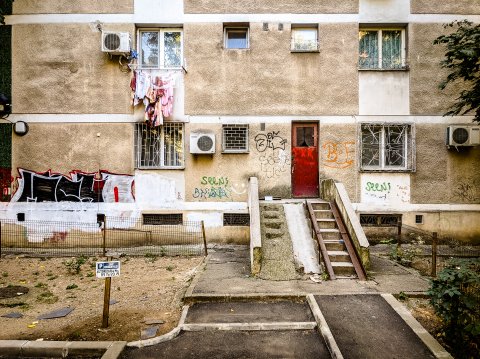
<point>269,140</point>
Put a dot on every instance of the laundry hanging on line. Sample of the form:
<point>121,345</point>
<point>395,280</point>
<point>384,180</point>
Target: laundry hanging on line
<point>156,94</point>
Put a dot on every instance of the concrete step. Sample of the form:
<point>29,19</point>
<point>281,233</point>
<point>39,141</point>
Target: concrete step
<point>338,256</point>
<point>270,214</point>
<point>343,268</point>
<point>334,245</point>
<point>325,223</point>
<point>273,224</point>
<point>323,213</point>
<point>330,234</point>
<point>274,233</point>
<point>320,205</point>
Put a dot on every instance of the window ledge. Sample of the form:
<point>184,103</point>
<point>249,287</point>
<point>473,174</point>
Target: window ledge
<point>305,51</point>
<point>159,168</point>
<point>235,152</point>
<point>371,170</point>
<point>406,68</point>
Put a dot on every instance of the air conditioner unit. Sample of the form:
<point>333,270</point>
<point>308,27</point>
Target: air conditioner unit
<point>202,143</point>
<point>116,42</point>
<point>463,135</point>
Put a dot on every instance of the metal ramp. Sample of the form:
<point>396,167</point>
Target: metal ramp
<point>337,251</point>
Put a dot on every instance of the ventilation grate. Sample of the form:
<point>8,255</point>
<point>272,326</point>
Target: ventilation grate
<point>236,219</point>
<point>111,41</point>
<point>163,219</point>
<point>205,143</point>
<point>460,135</point>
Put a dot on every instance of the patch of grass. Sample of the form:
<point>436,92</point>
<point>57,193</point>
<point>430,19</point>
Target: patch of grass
<point>170,268</point>
<point>41,285</point>
<point>150,257</point>
<point>47,297</point>
<point>52,277</point>
<point>74,265</point>
<point>90,274</point>
<point>36,273</point>
<point>22,305</point>
<point>5,274</point>
<point>71,286</point>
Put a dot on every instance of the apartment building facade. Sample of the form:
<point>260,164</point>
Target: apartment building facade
<point>215,92</point>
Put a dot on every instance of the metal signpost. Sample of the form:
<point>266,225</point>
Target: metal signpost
<point>107,270</point>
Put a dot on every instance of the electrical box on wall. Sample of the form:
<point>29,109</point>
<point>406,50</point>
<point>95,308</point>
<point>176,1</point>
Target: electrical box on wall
<point>202,143</point>
<point>116,43</point>
<point>463,135</point>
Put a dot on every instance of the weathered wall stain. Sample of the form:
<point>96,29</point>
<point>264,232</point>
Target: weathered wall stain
<point>338,154</point>
<point>466,192</point>
<point>77,187</point>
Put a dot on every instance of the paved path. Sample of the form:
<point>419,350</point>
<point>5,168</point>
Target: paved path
<point>236,316</point>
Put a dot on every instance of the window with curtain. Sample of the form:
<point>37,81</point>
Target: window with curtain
<point>236,37</point>
<point>381,49</point>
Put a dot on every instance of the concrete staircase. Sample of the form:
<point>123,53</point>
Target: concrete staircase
<point>277,251</point>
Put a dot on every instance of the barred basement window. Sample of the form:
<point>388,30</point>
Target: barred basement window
<point>235,138</point>
<point>163,219</point>
<point>236,219</point>
<point>387,147</point>
<point>159,147</point>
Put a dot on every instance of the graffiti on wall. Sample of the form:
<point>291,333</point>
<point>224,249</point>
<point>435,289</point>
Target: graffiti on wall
<point>385,188</point>
<point>338,154</point>
<point>274,160</point>
<point>218,187</point>
<point>78,186</point>
<point>466,192</point>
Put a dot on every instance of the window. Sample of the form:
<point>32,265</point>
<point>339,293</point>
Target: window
<point>387,147</point>
<point>304,39</point>
<point>160,48</point>
<point>236,219</point>
<point>235,138</point>
<point>159,147</point>
<point>419,219</point>
<point>381,49</point>
<point>236,37</point>
<point>163,219</point>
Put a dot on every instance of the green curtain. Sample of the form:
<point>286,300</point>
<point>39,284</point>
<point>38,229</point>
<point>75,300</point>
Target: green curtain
<point>368,49</point>
<point>391,49</point>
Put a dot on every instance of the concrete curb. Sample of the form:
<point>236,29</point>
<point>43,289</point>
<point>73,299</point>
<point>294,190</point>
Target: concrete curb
<point>437,350</point>
<point>250,326</point>
<point>196,277</point>
<point>198,298</point>
<point>61,349</point>
<point>324,328</point>
<point>162,338</point>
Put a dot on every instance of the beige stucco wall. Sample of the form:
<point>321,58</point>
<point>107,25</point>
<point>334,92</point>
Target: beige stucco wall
<point>63,70</point>
<point>64,147</point>
<point>445,7</point>
<point>425,72</point>
<point>72,7</point>
<point>444,176</point>
<point>338,156</point>
<point>271,167</point>
<point>268,79</point>
<point>270,6</point>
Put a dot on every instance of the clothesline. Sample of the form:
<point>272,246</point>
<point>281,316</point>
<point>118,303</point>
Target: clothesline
<point>155,92</point>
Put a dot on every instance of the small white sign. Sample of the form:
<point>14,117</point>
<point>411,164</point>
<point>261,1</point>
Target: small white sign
<point>108,269</point>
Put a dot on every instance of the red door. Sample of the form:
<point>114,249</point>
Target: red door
<point>305,160</point>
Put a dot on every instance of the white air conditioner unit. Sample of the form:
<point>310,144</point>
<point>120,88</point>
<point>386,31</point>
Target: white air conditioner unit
<point>116,42</point>
<point>202,143</point>
<point>463,135</point>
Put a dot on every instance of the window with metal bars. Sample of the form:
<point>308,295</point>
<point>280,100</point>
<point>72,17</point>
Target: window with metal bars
<point>235,138</point>
<point>236,219</point>
<point>382,49</point>
<point>163,219</point>
<point>385,147</point>
<point>159,147</point>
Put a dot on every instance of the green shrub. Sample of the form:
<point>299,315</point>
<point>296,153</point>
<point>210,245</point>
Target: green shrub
<point>455,295</point>
<point>74,266</point>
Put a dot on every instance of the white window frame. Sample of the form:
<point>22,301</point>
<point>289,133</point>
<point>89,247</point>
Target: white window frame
<point>228,29</point>
<point>380,45</point>
<point>408,149</point>
<point>138,145</point>
<point>161,55</point>
<point>300,28</point>
<point>226,150</point>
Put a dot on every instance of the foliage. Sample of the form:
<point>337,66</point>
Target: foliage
<point>74,266</point>
<point>462,59</point>
<point>455,296</point>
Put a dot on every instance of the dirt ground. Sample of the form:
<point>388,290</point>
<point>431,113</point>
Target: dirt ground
<point>149,288</point>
